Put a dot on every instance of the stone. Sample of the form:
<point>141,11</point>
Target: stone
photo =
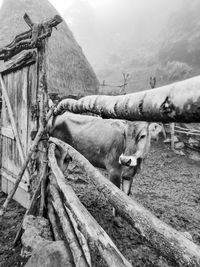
<point>36,231</point>
<point>193,142</point>
<point>179,152</point>
<point>194,155</point>
<point>179,145</point>
<point>51,254</point>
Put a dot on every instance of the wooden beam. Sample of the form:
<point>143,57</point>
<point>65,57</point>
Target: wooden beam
<point>30,39</point>
<point>177,102</point>
<point>87,224</point>
<point>19,61</point>
<point>171,243</point>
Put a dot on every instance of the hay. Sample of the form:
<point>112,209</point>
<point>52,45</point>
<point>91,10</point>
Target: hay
<point>69,71</point>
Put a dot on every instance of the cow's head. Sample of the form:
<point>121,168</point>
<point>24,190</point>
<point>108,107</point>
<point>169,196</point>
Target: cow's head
<point>137,144</point>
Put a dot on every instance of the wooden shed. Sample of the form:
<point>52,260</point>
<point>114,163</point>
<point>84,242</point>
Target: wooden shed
<point>67,71</point>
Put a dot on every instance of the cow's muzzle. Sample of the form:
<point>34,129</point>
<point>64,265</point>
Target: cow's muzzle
<point>130,161</point>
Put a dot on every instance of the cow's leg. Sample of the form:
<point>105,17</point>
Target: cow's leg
<point>127,182</point>
<point>63,159</point>
<point>115,179</point>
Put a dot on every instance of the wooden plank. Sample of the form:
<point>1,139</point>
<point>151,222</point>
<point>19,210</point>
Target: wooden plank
<point>19,61</point>
<point>12,118</point>
<point>24,166</point>
<point>8,132</point>
<point>21,196</point>
<point>12,178</point>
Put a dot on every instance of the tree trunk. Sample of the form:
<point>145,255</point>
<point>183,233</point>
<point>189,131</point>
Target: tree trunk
<point>163,237</point>
<point>178,102</point>
<point>87,224</point>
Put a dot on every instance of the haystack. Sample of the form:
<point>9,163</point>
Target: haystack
<point>69,71</point>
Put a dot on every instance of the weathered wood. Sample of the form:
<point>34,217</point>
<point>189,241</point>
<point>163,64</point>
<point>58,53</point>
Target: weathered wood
<point>52,219</point>
<point>42,97</point>
<point>13,123</point>
<point>30,210</point>
<point>171,243</point>
<point>8,132</point>
<point>172,135</point>
<point>31,150</point>
<point>77,252</point>
<point>80,236</point>
<point>30,39</point>
<point>177,102</point>
<point>87,224</point>
<point>24,166</point>
<point>19,61</point>
<point>43,188</point>
<point>33,204</point>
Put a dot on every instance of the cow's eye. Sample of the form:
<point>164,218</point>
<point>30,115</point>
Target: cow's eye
<point>142,136</point>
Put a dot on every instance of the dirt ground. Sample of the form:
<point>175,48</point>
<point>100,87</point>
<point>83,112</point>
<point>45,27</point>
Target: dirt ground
<point>168,186</point>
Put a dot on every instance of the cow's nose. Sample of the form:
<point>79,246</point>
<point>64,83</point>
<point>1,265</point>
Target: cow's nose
<point>128,160</point>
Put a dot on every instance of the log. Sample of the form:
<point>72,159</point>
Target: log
<point>30,39</point>
<point>52,219</point>
<point>79,258</point>
<point>19,61</point>
<point>42,95</point>
<point>43,189</point>
<point>80,236</point>
<point>87,224</point>
<point>177,102</point>
<point>171,243</point>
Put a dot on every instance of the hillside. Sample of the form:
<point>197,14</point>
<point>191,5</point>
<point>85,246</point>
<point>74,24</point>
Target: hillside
<point>173,55</point>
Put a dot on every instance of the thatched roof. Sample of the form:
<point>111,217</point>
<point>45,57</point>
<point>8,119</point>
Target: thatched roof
<point>69,70</point>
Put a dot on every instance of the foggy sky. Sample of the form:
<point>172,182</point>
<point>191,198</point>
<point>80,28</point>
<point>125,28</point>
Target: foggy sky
<point>102,27</point>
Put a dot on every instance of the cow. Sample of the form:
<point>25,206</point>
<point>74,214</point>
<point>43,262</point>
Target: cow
<point>116,145</point>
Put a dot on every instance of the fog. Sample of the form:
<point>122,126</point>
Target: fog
<point>102,27</point>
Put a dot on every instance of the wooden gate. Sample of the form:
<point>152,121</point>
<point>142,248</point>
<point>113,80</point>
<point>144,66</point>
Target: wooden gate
<point>23,80</point>
<point>21,85</point>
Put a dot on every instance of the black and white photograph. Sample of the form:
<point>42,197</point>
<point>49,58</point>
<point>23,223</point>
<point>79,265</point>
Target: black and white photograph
<point>100,133</point>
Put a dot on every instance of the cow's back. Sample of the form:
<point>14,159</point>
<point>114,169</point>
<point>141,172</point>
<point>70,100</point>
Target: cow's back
<point>99,140</point>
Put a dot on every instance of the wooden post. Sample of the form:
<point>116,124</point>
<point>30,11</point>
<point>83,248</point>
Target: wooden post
<point>172,135</point>
<point>87,224</point>
<point>171,243</point>
<point>42,97</point>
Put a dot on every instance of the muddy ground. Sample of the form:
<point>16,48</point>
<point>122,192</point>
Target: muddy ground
<point>168,185</point>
